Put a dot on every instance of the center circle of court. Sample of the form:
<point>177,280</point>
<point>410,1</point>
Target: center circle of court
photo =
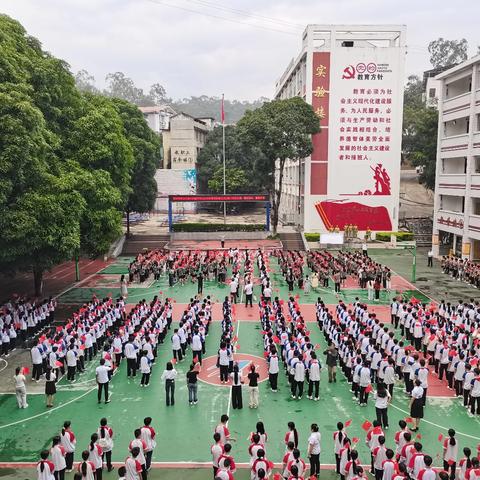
<point>210,373</point>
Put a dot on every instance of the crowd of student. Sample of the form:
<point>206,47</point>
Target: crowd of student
<point>97,456</point>
<point>461,269</point>
<point>21,319</point>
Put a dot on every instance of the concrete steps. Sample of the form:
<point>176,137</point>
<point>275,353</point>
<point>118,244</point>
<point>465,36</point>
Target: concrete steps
<point>292,241</point>
<point>136,243</point>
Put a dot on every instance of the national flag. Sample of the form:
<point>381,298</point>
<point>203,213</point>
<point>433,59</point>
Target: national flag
<point>348,423</point>
<point>440,437</point>
<point>366,425</point>
<point>223,109</point>
<point>369,388</point>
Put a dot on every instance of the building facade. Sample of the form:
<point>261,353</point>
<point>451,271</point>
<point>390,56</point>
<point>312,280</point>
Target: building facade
<point>456,223</point>
<point>353,77</point>
<point>158,117</point>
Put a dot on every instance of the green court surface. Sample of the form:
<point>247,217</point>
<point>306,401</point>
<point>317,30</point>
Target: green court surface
<point>184,432</point>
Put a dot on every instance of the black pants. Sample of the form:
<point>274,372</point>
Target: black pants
<point>131,367</point>
<point>473,401</point>
<point>337,462</point>
<point>249,299</point>
<point>337,287</point>
<point>70,373</point>
<point>198,354</point>
<point>237,401</point>
<point>314,464</point>
<point>98,473</point>
<point>458,387</point>
<point>148,459</point>
<point>224,373</point>
<point>466,397</point>
<point>37,371</point>
<point>313,385</point>
<point>297,387</point>
<point>430,262</point>
<point>408,382</point>
<point>69,460</point>
<point>378,474</point>
<point>443,369</point>
<point>177,355</point>
<point>363,395</point>
<point>273,378</point>
<point>107,457</point>
<point>418,343</point>
<point>59,474</point>
<point>170,392</point>
<point>452,467</point>
<point>103,386</point>
<point>382,416</point>
<point>145,379</point>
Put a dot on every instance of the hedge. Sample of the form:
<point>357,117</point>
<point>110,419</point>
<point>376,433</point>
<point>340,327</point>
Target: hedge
<point>312,237</point>
<point>401,236</point>
<point>218,227</point>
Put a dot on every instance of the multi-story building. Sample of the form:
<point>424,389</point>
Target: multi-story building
<point>158,117</point>
<point>456,226</point>
<point>353,77</point>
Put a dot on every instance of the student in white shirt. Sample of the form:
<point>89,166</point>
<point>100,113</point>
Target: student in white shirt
<point>314,378</point>
<point>169,375</point>
<point>248,289</point>
<point>45,468</point>
<point>20,389</point>
<point>382,400</point>
<point>57,453</point>
<point>145,369</point>
<point>102,377</point>
<point>133,468</point>
<point>416,405</point>
<point>313,450</point>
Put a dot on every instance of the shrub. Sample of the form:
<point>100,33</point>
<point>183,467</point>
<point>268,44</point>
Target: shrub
<point>217,227</point>
<point>312,237</point>
<point>401,236</point>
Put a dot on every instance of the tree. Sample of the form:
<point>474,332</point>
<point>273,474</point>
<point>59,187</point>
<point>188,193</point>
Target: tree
<point>444,53</point>
<point>157,94</point>
<point>85,82</point>
<point>238,155</point>
<point>146,153</point>
<point>235,180</point>
<point>39,208</point>
<point>282,130</point>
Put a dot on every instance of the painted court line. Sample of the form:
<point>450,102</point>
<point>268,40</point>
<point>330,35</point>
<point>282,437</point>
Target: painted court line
<point>436,424</point>
<point>47,411</point>
<point>5,366</point>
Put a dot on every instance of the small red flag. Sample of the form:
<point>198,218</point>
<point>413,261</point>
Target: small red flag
<point>355,439</point>
<point>174,360</point>
<point>419,436</point>
<point>409,420</point>
<point>440,437</point>
<point>275,339</point>
<point>58,364</point>
<point>277,476</point>
<point>348,423</point>
<point>195,359</point>
<point>237,346</point>
<point>369,388</point>
<point>366,425</point>
<point>25,370</point>
<point>265,354</point>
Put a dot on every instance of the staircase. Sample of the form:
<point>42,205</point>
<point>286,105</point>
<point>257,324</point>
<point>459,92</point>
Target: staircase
<point>422,228</point>
<point>136,243</point>
<point>292,241</point>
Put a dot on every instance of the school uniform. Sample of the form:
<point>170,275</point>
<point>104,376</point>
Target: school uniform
<point>69,443</point>
<point>58,458</point>
<point>223,363</point>
<point>314,379</point>
<point>45,469</point>
<point>145,371</point>
<point>130,352</point>
<point>133,469</point>
<point>273,370</point>
<point>237,401</point>
<point>89,469</point>
<point>95,456</point>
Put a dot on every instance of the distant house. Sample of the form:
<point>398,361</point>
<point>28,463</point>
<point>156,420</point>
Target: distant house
<point>158,117</point>
<point>431,85</point>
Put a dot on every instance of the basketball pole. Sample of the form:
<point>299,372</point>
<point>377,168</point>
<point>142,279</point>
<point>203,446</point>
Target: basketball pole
<point>224,170</point>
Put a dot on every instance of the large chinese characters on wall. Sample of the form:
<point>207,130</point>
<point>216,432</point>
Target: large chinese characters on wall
<point>363,125</point>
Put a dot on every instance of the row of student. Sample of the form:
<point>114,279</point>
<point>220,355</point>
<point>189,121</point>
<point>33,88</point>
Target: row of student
<point>60,458</point>
<point>21,319</point>
<point>449,338</point>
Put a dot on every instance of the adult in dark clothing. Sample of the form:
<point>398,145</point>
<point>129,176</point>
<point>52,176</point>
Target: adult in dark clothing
<point>331,361</point>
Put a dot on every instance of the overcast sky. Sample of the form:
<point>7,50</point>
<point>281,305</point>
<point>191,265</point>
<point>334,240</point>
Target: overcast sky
<point>239,47</point>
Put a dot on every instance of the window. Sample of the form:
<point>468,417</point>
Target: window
<point>432,92</point>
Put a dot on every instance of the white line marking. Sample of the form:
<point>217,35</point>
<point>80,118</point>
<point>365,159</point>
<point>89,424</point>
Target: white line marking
<point>48,411</point>
<point>436,424</point>
<point>6,364</point>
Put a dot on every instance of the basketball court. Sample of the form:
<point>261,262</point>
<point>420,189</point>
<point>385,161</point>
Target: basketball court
<point>184,432</point>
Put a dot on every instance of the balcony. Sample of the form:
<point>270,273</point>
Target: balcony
<point>454,146</point>
<point>476,143</point>
<point>452,184</point>
<point>456,107</point>
<point>474,226</point>
<point>449,221</point>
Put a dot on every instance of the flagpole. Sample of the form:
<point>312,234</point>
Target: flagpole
<point>224,170</point>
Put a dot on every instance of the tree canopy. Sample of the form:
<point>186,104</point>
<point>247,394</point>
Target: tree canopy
<point>281,130</point>
<point>444,53</point>
<point>69,161</point>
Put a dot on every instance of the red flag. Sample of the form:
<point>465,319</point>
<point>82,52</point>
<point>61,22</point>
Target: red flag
<point>237,346</point>
<point>275,339</point>
<point>409,420</point>
<point>355,439</point>
<point>369,388</point>
<point>58,364</point>
<point>25,370</point>
<point>348,423</point>
<point>419,436</point>
<point>174,361</point>
<point>277,476</point>
<point>451,462</point>
<point>265,354</point>
<point>223,109</point>
<point>440,437</point>
<point>366,425</point>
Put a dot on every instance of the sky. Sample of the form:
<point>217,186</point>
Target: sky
<point>210,47</point>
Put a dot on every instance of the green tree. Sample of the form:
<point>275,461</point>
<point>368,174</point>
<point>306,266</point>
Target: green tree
<point>444,53</point>
<point>282,130</point>
<point>235,180</point>
<point>146,153</point>
<point>238,155</point>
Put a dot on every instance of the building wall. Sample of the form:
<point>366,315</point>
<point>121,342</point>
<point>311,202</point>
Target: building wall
<point>353,174</point>
<point>175,182</point>
<point>457,189</point>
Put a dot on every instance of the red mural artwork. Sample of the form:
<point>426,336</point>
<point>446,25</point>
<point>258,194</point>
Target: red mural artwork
<point>382,184</point>
<point>338,213</point>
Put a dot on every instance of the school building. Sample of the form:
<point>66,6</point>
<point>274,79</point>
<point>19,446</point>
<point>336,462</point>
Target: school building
<point>353,77</point>
<point>456,222</point>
